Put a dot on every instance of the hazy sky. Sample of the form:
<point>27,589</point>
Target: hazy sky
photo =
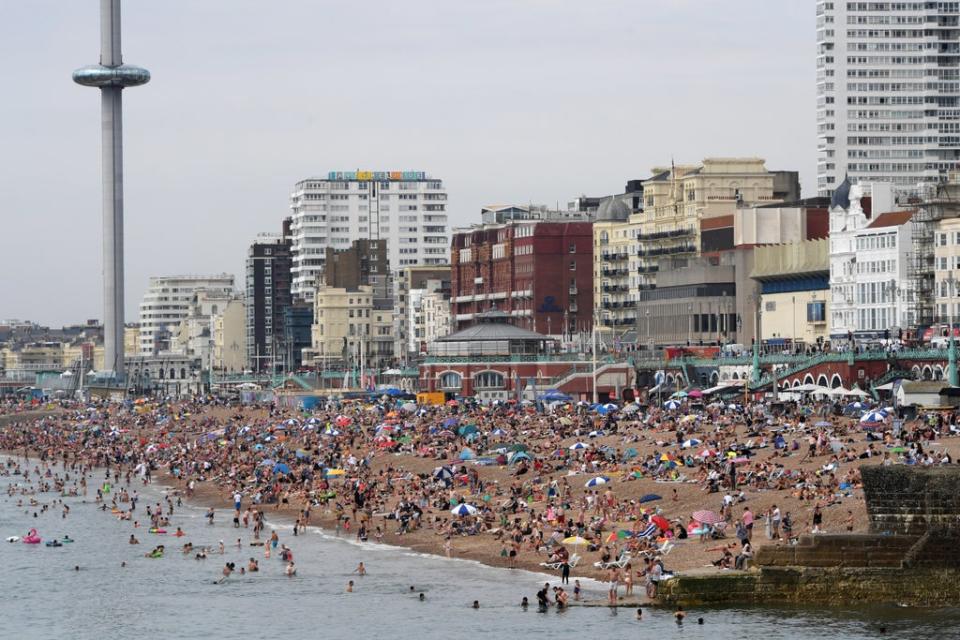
<point>505,100</point>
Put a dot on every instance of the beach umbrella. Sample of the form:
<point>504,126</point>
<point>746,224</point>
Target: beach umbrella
<point>565,421</point>
<point>335,472</point>
<point>575,540</point>
<point>707,517</point>
<point>596,482</point>
<point>331,432</point>
<point>631,408</point>
<point>661,522</point>
<point>409,407</point>
<point>464,510</point>
<point>578,445</point>
<point>302,453</point>
<point>443,473</point>
<point>498,432</point>
<point>650,497</point>
<point>706,453</point>
<point>679,394</point>
<point>671,405</point>
<point>692,442</point>
<point>266,463</point>
<point>342,421</point>
<point>874,416</point>
<point>856,406</point>
<point>695,393</point>
<point>467,454</point>
<point>281,468</point>
<point>449,423</point>
<point>630,453</point>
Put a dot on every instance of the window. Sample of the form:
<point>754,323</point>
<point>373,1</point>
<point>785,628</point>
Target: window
<point>573,247</point>
<point>770,306</point>
<point>488,380</point>
<point>817,311</point>
<point>450,380</point>
<point>573,265</point>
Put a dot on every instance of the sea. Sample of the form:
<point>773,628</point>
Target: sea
<point>45,596</point>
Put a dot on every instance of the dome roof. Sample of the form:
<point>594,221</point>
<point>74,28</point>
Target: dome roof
<point>841,196</point>
<point>493,325</point>
<point>613,210</point>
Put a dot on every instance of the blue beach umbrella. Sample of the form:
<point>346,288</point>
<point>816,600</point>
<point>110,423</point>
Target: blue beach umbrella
<point>596,482</point>
<point>464,510</point>
<point>671,405</point>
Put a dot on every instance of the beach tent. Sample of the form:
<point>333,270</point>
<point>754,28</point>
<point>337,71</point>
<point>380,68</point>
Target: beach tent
<point>467,454</point>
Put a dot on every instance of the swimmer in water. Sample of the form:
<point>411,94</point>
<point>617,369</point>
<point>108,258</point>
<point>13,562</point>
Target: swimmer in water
<point>422,597</point>
<point>639,613</point>
<point>524,603</point>
<point>350,587</point>
<point>679,615</point>
<point>291,569</point>
<point>476,604</point>
<point>133,539</point>
<point>360,570</point>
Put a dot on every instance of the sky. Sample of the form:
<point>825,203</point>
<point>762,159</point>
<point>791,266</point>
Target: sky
<point>507,101</point>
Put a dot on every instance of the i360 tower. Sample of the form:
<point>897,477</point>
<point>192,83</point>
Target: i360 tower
<point>111,76</point>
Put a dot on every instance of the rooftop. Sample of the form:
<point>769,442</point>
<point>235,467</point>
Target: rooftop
<point>891,219</point>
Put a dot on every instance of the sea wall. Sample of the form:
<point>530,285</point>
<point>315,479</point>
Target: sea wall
<point>830,586</point>
<point>910,556</point>
<point>908,500</point>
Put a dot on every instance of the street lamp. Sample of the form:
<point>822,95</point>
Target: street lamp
<point>649,345</point>
<point>689,324</point>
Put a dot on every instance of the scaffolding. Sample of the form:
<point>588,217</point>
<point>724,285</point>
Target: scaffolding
<point>942,204</point>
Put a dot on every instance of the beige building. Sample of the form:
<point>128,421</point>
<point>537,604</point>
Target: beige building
<point>230,337</point>
<point>686,211</point>
<point>131,339</point>
<point>795,292</point>
<point>946,264</point>
<point>689,209</point>
<point>344,321</point>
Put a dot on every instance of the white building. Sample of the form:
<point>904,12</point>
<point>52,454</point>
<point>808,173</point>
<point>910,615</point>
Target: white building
<point>946,264</point>
<point>437,322</point>
<point>870,291</point>
<point>888,96</point>
<point>408,209</point>
<point>167,301</point>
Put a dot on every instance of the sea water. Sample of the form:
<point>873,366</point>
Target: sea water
<point>176,596</point>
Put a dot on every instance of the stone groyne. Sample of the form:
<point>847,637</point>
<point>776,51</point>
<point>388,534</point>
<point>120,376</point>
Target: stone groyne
<point>910,556</point>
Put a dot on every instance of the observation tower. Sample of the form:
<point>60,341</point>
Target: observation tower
<point>111,76</point>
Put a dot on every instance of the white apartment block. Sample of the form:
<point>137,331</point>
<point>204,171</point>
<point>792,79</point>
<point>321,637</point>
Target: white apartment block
<point>408,209</point>
<point>870,288</point>
<point>168,301</point>
<point>888,92</point>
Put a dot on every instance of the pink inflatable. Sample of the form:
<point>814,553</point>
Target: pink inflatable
<point>31,538</point>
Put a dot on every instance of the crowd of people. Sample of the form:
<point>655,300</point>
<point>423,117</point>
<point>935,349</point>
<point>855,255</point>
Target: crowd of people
<point>628,495</point>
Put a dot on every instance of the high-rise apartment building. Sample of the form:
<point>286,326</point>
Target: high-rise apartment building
<point>268,292</point>
<point>888,92</point>
<point>167,301</point>
<point>408,209</point>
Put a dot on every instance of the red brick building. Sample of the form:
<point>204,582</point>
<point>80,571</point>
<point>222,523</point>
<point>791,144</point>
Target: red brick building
<point>537,272</point>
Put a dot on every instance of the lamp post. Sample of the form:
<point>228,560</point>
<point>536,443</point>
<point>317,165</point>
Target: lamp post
<point>952,348</point>
<point>649,345</point>
<point>689,324</point>
<point>593,350</point>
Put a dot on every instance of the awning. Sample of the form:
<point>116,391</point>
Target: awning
<point>723,385</point>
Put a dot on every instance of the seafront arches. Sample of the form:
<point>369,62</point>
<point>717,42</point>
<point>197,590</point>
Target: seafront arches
<point>836,381</point>
<point>938,372</point>
<point>822,381</point>
<point>808,379</point>
<point>927,372</point>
